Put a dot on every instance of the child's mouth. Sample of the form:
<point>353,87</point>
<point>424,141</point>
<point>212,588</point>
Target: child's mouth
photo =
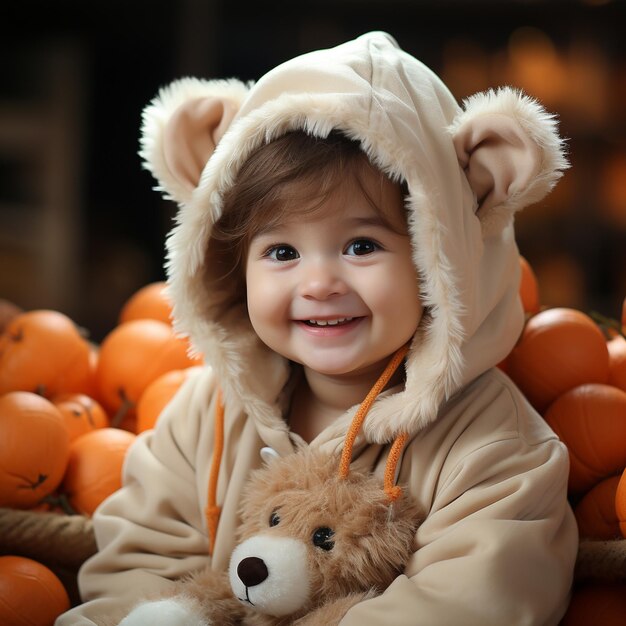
<point>340,321</point>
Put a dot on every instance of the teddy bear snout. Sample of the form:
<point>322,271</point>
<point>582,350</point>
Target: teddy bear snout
<point>252,571</point>
<point>270,573</point>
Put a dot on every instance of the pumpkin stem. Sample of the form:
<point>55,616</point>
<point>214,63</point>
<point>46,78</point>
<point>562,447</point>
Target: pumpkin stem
<point>609,327</point>
<point>60,500</point>
<point>89,414</point>
<point>126,406</point>
<point>83,332</point>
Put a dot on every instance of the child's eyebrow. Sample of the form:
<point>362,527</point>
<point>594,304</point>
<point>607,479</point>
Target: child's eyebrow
<point>373,220</point>
<point>354,222</point>
<point>267,229</point>
<point>378,221</point>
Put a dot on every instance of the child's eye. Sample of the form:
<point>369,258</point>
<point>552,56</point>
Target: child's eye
<point>359,247</point>
<point>282,252</point>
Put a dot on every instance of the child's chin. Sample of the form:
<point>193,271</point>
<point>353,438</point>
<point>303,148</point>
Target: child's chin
<point>338,369</point>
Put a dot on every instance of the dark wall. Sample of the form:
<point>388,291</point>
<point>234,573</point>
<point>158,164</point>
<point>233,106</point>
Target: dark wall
<point>125,51</point>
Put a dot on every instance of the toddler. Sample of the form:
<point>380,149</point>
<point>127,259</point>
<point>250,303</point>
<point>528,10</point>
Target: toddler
<point>342,207</point>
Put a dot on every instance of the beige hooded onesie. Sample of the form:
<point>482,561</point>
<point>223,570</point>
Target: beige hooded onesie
<point>498,541</point>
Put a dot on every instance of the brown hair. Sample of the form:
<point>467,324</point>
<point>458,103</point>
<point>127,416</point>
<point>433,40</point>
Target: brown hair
<point>295,173</point>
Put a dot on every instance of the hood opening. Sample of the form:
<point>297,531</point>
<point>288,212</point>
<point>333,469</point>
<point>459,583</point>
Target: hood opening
<point>289,177</point>
<point>411,127</point>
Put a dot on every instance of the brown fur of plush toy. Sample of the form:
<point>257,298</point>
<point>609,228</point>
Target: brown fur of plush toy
<point>312,545</point>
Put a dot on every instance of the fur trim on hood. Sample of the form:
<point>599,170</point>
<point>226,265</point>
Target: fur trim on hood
<point>468,170</point>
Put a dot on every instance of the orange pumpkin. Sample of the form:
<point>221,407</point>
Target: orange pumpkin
<point>150,302</point>
<point>617,362</point>
<point>90,388</point>
<point>156,396</point>
<point>558,350</point>
<point>43,352</point>
<point>132,356</point>
<point>81,413</point>
<point>600,603</point>
<point>591,420</point>
<point>94,470</point>
<point>620,503</point>
<point>504,364</point>
<point>30,593</point>
<point>34,448</point>
<point>529,288</point>
<point>595,513</point>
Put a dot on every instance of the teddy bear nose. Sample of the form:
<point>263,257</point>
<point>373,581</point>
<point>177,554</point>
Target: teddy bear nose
<point>252,571</point>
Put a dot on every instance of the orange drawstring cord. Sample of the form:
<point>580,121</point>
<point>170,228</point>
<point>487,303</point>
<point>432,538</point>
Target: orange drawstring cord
<point>357,421</point>
<point>391,489</point>
<point>212,511</point>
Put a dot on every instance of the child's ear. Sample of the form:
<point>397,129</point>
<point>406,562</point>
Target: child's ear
<point>511,153</point>
<point>182,127</point>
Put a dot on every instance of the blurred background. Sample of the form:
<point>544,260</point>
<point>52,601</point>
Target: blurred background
<point>81,228</point>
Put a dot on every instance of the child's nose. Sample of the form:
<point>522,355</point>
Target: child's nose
<point>321,280</point>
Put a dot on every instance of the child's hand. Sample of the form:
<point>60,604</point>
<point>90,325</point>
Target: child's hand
<point>170,612</point>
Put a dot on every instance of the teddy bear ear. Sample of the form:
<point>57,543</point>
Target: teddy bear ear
<point>182,127</point>
<point>510,150</point>
<point>268,454</point>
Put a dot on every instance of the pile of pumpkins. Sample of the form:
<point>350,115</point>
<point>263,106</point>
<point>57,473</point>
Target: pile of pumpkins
<point>70,409</point>
<point>572,368</point>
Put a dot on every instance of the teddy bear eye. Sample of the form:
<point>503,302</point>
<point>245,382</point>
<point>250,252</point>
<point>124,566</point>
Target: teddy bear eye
<point>321,538</point>
<point>274,519</point>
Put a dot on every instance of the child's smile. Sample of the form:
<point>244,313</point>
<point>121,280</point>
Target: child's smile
<point>331,324</point>
<point>336,290</point>
<point>331,327</point>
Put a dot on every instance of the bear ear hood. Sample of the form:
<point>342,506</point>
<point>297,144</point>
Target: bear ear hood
<point>468,170</point>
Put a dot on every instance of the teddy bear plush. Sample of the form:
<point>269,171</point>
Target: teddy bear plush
<point>312,544</point>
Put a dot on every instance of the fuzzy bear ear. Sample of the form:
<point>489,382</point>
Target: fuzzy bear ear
<point>182,127</point>
<point>191,136</point>
<point>511,153</point>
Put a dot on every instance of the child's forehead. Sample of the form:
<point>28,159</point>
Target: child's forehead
<point>337,221</point>
<point>369,200</point>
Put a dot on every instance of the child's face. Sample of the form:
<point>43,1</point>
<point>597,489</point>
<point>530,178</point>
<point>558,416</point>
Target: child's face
<point>336,290</point>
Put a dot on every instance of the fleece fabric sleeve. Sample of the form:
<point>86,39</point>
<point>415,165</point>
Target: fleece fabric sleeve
<point>151,530</point>
<point>498,546</point>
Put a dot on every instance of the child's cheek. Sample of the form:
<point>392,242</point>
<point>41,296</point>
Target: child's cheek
<point>268,305</point>
<point>395,304</point>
